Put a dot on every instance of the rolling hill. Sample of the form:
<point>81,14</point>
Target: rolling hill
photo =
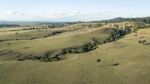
<point>81,53</point>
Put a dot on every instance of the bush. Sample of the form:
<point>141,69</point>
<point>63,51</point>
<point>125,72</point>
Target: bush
<point>142,41</point>
<point>98,60</point>
<point>115,64</point>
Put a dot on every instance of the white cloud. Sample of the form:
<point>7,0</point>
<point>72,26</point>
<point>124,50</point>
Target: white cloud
<point>57,16</point>
<point>82,16</point>
<point>14,13</point>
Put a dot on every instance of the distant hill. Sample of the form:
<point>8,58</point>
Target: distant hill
<point>62,24</point>
<point>2,22</point>
<point>120,19</point>
<point>34,24</point>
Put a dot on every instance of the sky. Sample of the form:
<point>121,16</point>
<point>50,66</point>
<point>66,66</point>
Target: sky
<point>71,10</point>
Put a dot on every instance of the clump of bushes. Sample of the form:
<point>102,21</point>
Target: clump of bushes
<point>49,56</point>
<point>142,41</point>
<point>115,34</point>
<point>59,54</point>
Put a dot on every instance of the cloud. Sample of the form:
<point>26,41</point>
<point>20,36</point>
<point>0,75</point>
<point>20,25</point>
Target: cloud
<point>13,13</point>
<point>81,16</point>
<point>57,16</point>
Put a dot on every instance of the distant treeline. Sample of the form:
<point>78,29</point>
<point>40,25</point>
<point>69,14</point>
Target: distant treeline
<point>9,25</point>
<point>59,24</point>
<point>62,24</point>
<point>37,24</point>
<point>120,19</point>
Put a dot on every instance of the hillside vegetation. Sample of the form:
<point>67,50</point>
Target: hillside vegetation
<point>39,44</point>
<point>122,62</point>
<point>81,53</point>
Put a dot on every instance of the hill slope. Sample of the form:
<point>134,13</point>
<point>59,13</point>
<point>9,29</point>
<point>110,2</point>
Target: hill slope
<point>122,62</point>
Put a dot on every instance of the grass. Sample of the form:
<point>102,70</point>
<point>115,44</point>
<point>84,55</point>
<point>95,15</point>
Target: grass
<point>130,58</point>
<point>39,46</point>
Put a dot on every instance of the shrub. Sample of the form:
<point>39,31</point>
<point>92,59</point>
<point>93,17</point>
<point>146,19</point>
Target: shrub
<point>142,41</point>
<point>116,64</point>
<point>98,60</point>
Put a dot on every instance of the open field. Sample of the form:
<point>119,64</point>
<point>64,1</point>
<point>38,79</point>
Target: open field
<point>74,42</point>
<point>38,42</point>
<point>115,53</point>
<point>122,62</point>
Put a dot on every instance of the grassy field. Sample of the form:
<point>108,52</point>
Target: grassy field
<point>68,37</point>
<point>122,62</point>
<point>125,61</point>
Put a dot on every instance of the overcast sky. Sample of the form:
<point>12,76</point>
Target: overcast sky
<point>71,10</point>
